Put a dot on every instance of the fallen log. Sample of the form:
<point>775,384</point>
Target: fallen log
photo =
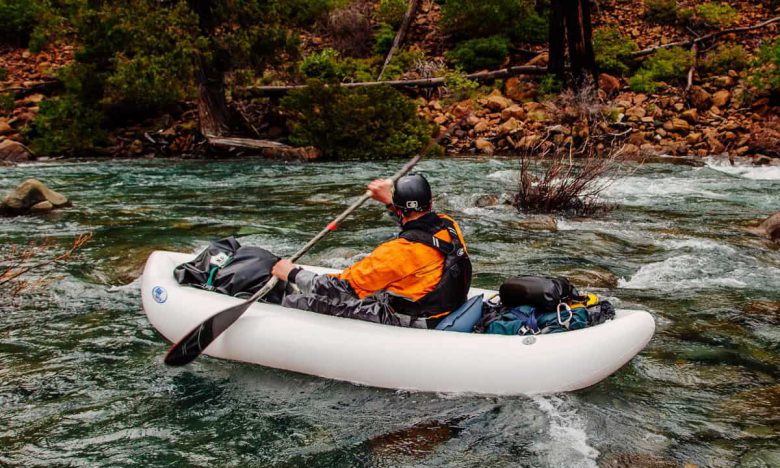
<point>706,37</point>
<point>41,87</point>
<point>267,148</point>
<point>400,35</point>
<point>276,91</point>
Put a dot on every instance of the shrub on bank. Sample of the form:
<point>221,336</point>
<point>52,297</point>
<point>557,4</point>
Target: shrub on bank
<point>481,53</point>
<point>383,39</point>
<point>765,75</point>
<point>361,123</point>
<point>515,19</point>
<point>391,11</point>
<point>664,65</point>
<point>18,19</point>
<point>613,50</point>
<point>661,11</point>
<point>724,58</point>
<point>715,15</point>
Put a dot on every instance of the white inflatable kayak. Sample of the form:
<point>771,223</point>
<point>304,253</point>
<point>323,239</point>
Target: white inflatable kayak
<point>394,357</point>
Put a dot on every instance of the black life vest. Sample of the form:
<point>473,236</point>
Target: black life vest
<point>452,290</point>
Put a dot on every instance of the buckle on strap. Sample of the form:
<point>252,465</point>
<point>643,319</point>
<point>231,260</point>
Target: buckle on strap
<point>566,322</point>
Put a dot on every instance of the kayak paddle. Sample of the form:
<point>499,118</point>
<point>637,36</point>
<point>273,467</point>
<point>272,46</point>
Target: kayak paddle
<point>194,342</point>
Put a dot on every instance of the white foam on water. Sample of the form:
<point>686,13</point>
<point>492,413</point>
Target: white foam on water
<point>694,244</point>
<point>506,175</point>
<point>744,171</point>
<point>648,191</point>
<point>567,432</point>
<point>684,272</point>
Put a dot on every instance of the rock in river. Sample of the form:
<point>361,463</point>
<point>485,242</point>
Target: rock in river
<point>32,196</point>
<point>583,278</point>
<point>770,227</point>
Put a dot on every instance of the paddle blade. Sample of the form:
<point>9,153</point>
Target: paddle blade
<point>193,344</point>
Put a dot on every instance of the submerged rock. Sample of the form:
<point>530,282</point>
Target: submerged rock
<point>636,460</point>
<point>770,228</point>
<point>585,278</point>
<point>538,223</point>
<point>32,196</point>
<point>766,311</point>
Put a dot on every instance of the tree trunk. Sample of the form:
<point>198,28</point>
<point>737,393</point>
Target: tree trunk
<point>557,39</point>
<point>399,37</point>
<point>570,23</point>
<point>580,35</point>
<point>213,111</point>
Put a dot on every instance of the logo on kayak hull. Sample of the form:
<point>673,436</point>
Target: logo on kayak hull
<point>159,294</point>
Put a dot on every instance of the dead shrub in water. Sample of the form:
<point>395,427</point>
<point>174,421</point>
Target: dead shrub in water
<point>350,29</point>
<point>568,169</point>
<point>16,263</point>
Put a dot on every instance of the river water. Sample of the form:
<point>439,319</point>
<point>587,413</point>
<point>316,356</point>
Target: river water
<point>82,380</point>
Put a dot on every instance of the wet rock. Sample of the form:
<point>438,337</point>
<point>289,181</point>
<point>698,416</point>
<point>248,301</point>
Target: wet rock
<point>609,83</point>
<point>636,460</point>
<point>538,223</point>
<point>700,98</point>
<point>496,102</point>
<point>41,207</point>
<point>721,98</point>
<point>13,151</point>
<point>678,125</point>
<point>756,407</point>
<point>486,200</point>
<point>587,278</point>
<point>510,126</point>
<point>766,311</point>
<point>31,193</point>
<point>691,115</point>
<point>513,112</point>
<point>770,228</point>
<point>5,128</point>
<point>484,146</point>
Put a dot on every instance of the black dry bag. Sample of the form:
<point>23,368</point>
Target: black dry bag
<point>228,268</point>
<point>542,292</point>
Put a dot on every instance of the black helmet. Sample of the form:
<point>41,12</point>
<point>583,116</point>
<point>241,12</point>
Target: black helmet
<point>412,193</point>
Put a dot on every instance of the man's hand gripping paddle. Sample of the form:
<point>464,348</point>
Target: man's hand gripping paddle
<point>194,342</point>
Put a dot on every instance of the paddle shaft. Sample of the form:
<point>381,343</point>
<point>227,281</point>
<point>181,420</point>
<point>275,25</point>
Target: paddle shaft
<point>193,343</point>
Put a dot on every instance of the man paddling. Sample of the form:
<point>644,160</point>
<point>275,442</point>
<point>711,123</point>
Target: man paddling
<point>412,281</point>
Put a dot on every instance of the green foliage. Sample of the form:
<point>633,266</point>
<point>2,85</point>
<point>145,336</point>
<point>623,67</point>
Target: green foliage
<point>6,103</point>
<point>549,87</point>
<point>666,64</point>
<point>391,11</point>
<point>3,73</point>
<point>324,64</point>
<point>724,58</point>
<point>459,87</point>
<point>304,12</point>
<point>661,11</point>
<point>715,14</point>
<point>150,82</point>
<point>402,61</point>
<point>613,50</point>
<point>766,72</point>
<point>66,125</point>
<point>480,53</point>
<point>18,18</point>
<point>361,123</point>
<point>515,19</point>
<point>383,38</point>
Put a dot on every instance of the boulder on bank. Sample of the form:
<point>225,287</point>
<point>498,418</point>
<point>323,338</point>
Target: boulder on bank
<point>14,152</point>
<point>32,196</point>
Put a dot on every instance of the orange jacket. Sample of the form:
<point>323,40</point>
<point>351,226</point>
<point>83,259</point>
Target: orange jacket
<point>402,267</point>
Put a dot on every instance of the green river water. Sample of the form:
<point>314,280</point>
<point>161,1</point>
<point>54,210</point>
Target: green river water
<point>82,380</point>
